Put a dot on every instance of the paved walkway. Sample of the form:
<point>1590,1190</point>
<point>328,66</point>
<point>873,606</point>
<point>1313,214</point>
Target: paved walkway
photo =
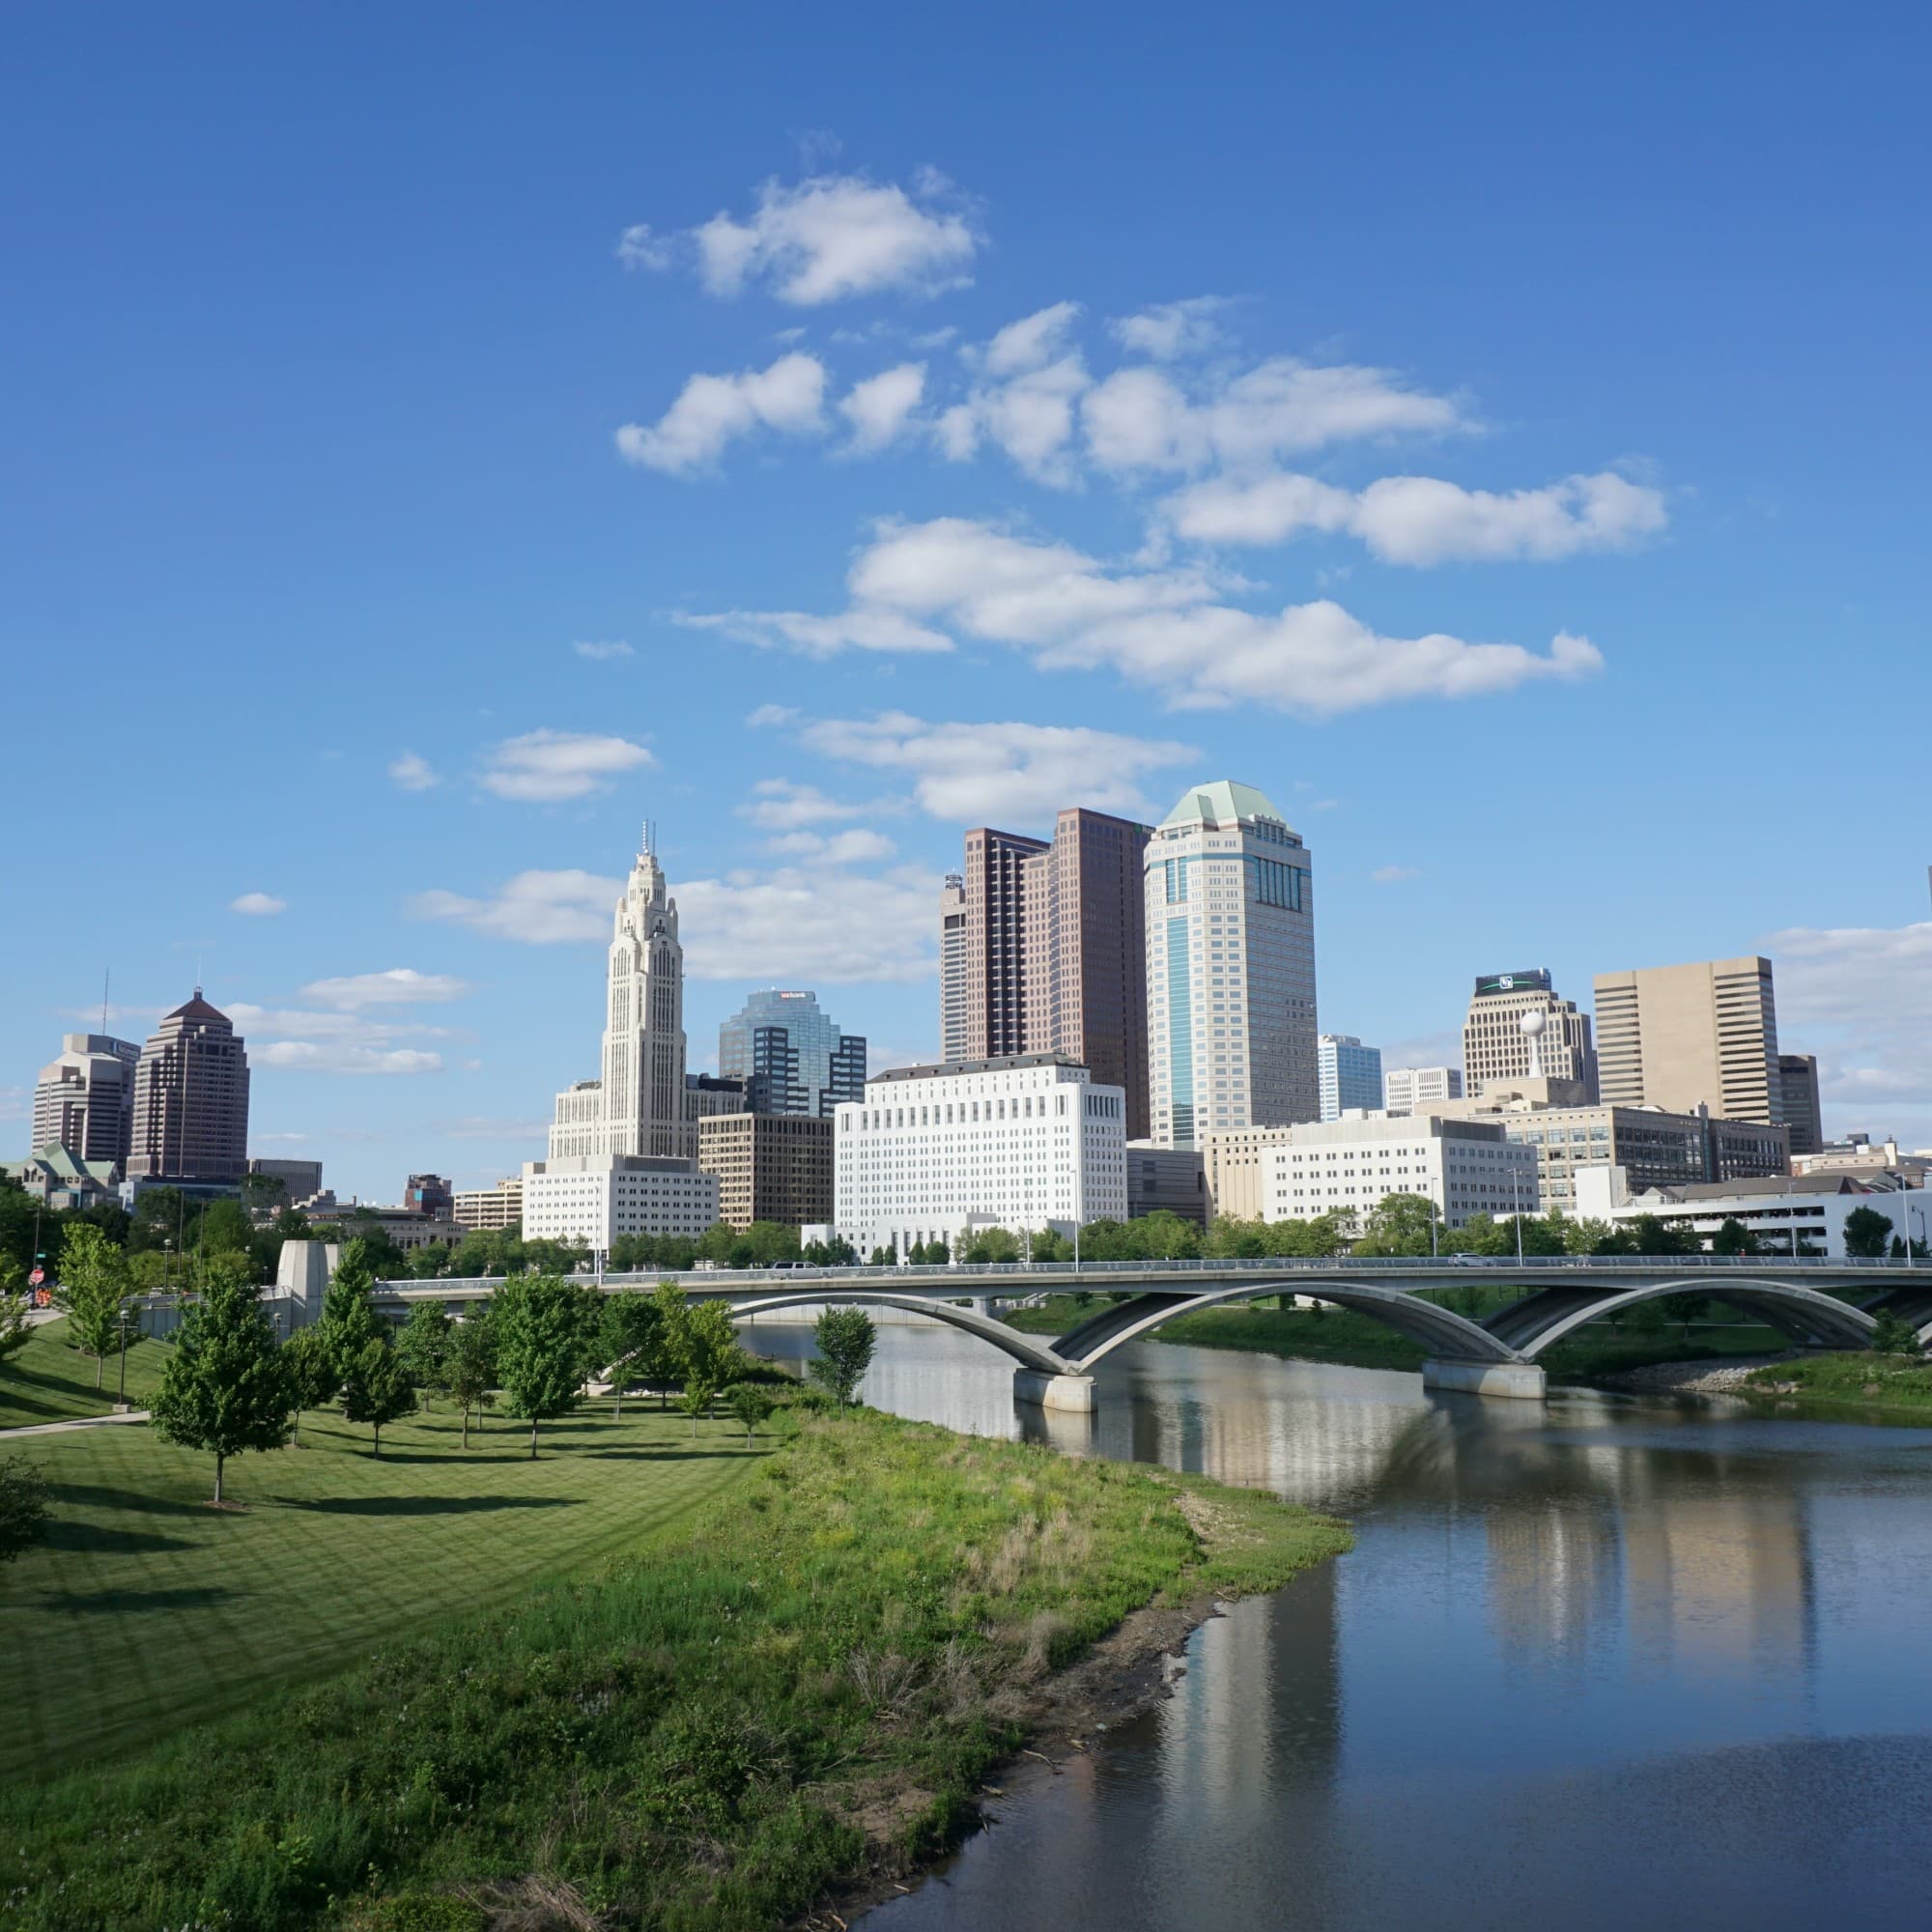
<point>72,1421</point>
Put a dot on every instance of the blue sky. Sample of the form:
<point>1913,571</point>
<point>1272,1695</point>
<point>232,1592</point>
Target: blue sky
<point>1499,435</point>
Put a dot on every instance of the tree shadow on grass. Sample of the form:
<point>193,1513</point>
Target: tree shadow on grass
<point>97,1495</point>
<point>426,1505</point>
<point>65,1533</point>
<point>125,1603</point>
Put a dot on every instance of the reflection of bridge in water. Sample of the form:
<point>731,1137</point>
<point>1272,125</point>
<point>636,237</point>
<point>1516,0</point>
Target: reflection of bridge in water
<point>1802,1299</point>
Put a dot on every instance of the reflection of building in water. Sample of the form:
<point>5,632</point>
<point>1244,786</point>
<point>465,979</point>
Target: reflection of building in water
<point>1555,1575</point>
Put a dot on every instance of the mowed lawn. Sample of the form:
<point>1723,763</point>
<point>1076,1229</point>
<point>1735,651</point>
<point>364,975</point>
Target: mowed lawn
<point>146,1609</point>
<point>47,1381</point>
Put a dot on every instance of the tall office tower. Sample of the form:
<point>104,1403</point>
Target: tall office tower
<point>1230,968</point>
<point>794,1057</point>
<point>1797,1080</point>
<point>1348,1075</point>
<point>1495,1046</point>
<point>952,967</point>
<point>1699,1035</point>
<point>1053,950</point>
<point>1409,1089</point>
<point>84,1100</point>
<point>191,1100</point>
<point>638,1107</point>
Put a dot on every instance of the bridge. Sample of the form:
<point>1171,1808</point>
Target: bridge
<point>1804,1299</point>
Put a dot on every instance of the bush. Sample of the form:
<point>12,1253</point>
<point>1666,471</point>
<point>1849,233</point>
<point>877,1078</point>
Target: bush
<point>23,1506</point>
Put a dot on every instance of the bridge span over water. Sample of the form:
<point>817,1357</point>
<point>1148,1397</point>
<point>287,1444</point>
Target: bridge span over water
<point>1818,1304</point>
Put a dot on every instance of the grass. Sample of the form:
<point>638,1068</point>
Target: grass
<point>1859,1381</point>
<point>800,1686</point>
<point>146,1609</point>
<point>48,1381</point>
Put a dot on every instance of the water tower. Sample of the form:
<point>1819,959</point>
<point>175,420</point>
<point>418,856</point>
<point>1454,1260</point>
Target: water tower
<point>1531,1026</point>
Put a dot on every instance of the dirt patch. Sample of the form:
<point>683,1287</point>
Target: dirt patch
<point>1729,1376</point>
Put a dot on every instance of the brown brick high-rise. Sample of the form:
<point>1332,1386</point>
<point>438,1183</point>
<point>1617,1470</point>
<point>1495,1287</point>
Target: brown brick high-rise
<point>191,1100</point>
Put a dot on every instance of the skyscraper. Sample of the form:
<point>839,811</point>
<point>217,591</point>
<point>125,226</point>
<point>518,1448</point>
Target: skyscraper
<point>1047,942</point>
<point>84,1100</point>
<point>1347,1074</point>
<point>1698,1034</point>
<point>1229,912</point>
<point>637,1106</point>
<point>1496,1047</point>
<point>1797,1078</point>
<point>191,1100</point>
<point>794,1057</point>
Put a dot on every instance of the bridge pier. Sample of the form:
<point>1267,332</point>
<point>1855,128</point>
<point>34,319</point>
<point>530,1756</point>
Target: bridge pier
<point>1524,1379</point>
<point>1074,1393</point>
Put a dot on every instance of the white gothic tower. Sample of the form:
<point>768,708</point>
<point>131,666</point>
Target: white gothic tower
<point>637,1106</point>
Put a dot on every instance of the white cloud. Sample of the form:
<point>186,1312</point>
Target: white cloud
<point>487,1127</point>
<point>323,1057</point>
<point>1169,330</point>
<point>1427,1049</point>
<point>544,767</point>
<point>1026,405</point>
<point>341,1041</point>
<point>1032,342</point>
<point>15,1103</point>
<point>880,408</point>
<point>1394,875</point>
<point>973,773</point>
<point>1422,520</point>
<point>1167,629</point>
<point>857,846</point>
<point>413,774</point>
<point>778,805</point>
<point>536,908</point>
<point>763,716</point>
<point>855,630</point>
<point>604,653</point>
<point>258,905</point>
<point>398,986</point>
<point>638,248</point>
<point>712,411</point>
<point>810,923</point>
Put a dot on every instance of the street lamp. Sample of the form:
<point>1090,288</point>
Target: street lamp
<point>122,1404</point>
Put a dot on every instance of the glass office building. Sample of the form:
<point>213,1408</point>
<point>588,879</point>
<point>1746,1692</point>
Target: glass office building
<point>792,1056</point>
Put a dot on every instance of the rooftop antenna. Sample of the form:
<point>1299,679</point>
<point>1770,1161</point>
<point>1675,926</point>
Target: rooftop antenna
<point>106,980</point>
<point>646,845</point>
<point>197,972</point>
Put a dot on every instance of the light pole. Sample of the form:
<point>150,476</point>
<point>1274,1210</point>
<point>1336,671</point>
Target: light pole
<point>122,1404</point>
<point>1515,1194</point>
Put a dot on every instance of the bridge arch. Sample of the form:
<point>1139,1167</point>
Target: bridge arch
<point>1027,1350</point>
<point>1540,1321</point>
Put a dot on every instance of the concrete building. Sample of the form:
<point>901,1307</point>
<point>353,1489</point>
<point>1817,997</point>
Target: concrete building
<point>191,1101</point>
<point>1797,1083</point>
<point>1413,1090</point>
<point>1049,950</point>
<point>1805,1214</point>
<point>301,1179</point>
<point>1499,1045</point>
<point>1170,1180</point>
<point>1702,1035</point>
<point>791,1056</point>
<point>1347,1167</point>
<point>589,1200</point>
<point>1348,1075</point>
<point>1230,968</point>
<point>84,1099</point>
<point>1883,1164</point>
<point>430,1194</point>
<point>636,1105</point>
<point>1024,1141</point>
<point>1231,1169</point>
<point>407,1226</point>
<point>707,1096</point>
<point>490,1210</point>
<point>769,1166</point>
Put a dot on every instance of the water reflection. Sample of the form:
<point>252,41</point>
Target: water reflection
<point>1608,1661</point>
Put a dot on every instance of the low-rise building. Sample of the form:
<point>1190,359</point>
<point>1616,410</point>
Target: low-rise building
<point>588,1200</point>
<point>1878,1163</point>
<point>1409,1089</point>
<point>769,1166</point>
<point>301,1179</point>
<point>1023,1141</point>
<point>60,1180</point>
<point>1348,1166</point>
<point>1163,1179</point>
<point>407,1226</point>
<point>490,1210</point>
<point>1800,1213</point>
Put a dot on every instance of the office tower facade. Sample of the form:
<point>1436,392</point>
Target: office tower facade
<point>1229,912</point>
<point>84,1100</point>
<point>1409,1089</point>
<point>1348,1075</point>
<point>1049,949</point>
<point>588,1200</point>
<point>792,1057</point>
<point>1496,1047</point>
<point>1347,1168</point>
<point>769,1166</point>
<point>638,1104</point>
<point>191,1100</point>
<point>1701,1034</point>
<point>491,1208</point>
<point>1797,1083</point>
<point>430,1194</point>
<point>300,1179</point>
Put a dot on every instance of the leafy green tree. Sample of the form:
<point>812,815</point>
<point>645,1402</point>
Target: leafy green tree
<point>1541,1234</point>
<point>1045,1246</point>
<point>423,1343</point>
<point>1733,1238</point>
<point>14,1329</point>
<point>1866,1234</point>
<point>632,1329</point>
<point>845,1338</point>
<point>225,1229</point>
<point>349,1321</point>
<point>539,1349</point>
<point>708,1346</point>
<point>1483,1235</point>
<point>469,1363</point>
<point>992,1245</point>
<point>751,1404</point>
<point>1587,1237</point>
<point>23,1506</point>
<point>1893,1336</point>
<point>696,1400</point>
<point>1651,1235</point>
<point>1684,1308</point>
<point>837,1252</point>
<point>1231,1239</point>
<point>310,1368</point>
<point>428,1262</point>
<point>94,1290</point>
<point>881,1257</point>
<point>1400,1224</point>
<point>225,1388</point>
<point>378,1389</point>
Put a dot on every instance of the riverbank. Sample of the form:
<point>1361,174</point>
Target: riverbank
<point>792,1694</point>
<point>1901,1383</point>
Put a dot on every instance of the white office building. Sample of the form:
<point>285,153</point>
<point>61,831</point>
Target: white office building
<point>1230,968</point>
<point>1413,1090</point>
<point>588,1200</point>
<point>1024,1141</point>
<point>1348,1075</point>
<point>490,1210</point>
<point>1346,1167</point>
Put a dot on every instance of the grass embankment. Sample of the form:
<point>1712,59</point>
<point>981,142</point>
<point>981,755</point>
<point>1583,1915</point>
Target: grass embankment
<point>1855,1380</point>
<point>48,1381</point>
<point>798,1686</point>
<point>145,1609</point>
<point>1359,1341</point>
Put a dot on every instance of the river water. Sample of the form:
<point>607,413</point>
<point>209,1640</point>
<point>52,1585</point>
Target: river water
<point>1607,1662</point>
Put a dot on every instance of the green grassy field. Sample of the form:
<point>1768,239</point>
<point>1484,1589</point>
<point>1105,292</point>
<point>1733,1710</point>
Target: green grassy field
<point>146,1609</point>
<point>1858,1380</point>
<point>47,1381</point>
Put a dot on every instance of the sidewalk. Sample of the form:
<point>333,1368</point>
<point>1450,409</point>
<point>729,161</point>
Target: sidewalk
<point>72,1421</point>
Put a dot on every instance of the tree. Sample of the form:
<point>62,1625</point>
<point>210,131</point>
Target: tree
<point>1400,1224</point>
<point>348,1320</point>
<point>1651,1235</point>
<point>23,1506</point>
<point>631,1330</point>
<point>539,1349</point>
<point>1684,1308</point>
<point>1866,1233</point>
<point>1893,1336</point>
<point>225,1388</point>
<point>225,1229</point>
<point>378,1389</point>
<point>837,1252</point>
<point>881,1257</point>
<point>93,1290</point>
<point>1046,1245</point>
<point>14,1329</point>
<point>993,1244</point>
<point>311,1372</point>
<point>708,1346</point>
<point>751,1404</point>
<point>845,1339</point>
<point>1733,1238</point>
<point>423,1344</point>
<point>1587,1237</point>
<point>469,1363</point>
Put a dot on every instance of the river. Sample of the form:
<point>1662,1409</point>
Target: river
<point>1605,1662</point>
